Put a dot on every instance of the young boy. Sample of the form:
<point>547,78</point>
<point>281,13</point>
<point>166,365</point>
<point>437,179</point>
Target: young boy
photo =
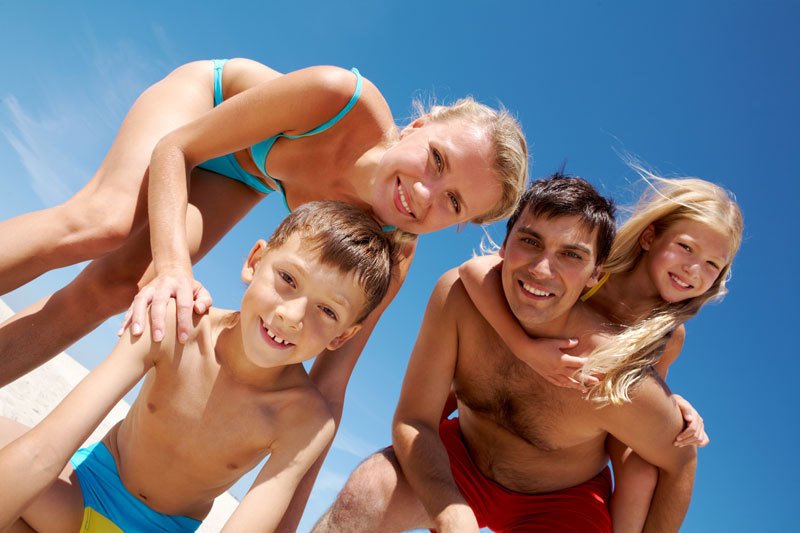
<point>209,410</point>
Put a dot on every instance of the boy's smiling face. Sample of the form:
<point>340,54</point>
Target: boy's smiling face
<point>295,305</point>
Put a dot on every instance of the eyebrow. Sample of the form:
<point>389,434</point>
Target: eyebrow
<point>719,260</point>
<point>570,246</point>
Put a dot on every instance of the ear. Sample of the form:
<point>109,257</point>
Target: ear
<point>344,337</point>
<point>418,123</point>
<point>502,251</point>
<point>598,270</point>
<point>253,259</point>
<point>647,237</point>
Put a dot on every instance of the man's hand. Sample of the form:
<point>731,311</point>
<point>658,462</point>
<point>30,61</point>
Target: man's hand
<point>189,294</point>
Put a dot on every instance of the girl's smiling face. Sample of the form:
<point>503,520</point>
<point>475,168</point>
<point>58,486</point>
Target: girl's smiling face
<point>685,259</point>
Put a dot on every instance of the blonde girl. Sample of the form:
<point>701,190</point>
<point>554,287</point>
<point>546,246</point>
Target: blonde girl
<point>671,257</point>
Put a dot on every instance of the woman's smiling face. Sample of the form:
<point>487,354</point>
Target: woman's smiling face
<point>438,174</point>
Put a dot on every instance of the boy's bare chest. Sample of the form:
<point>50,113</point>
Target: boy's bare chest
<point>202,428</point>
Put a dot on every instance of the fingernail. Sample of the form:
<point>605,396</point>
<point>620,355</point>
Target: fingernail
<point>119,332</point>
<point>158,335</point>
<point>201,308</point>
<point>183,337</point>
<point>136,328</point>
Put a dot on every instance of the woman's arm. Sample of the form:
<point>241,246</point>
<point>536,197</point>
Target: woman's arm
<point>292,103</point>
<point>481,278</point>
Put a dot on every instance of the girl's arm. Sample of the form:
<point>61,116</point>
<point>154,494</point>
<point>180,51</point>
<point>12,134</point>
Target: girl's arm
<point>694,433</point>
<point>481,279</point>
<point>33,461</point>
<point>293,103</point>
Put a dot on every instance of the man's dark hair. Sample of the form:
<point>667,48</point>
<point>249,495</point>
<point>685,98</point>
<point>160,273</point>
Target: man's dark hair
<point>560,196</point>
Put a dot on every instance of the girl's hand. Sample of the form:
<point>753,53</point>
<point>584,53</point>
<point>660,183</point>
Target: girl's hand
<point>189,294</point>
<point>694,434</point>
<point>546,357</point>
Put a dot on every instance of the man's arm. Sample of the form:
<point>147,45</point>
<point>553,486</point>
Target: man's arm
<point>331,374</point>
<point>33,461</point>
<point>425,390</point>
<point>293,453</point>
<point>648,424</point>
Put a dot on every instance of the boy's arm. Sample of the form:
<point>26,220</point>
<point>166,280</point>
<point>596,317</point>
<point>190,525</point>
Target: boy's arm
<point>33,461</point>
<point>481,278</point>
<point>292,454</point>
<point>647,424</point>
<point>415,429</point>
<point>331,373</point>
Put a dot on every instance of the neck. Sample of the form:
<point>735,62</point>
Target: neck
<point>560,327</point>
<point>633,294</point>
<point>233,361</point>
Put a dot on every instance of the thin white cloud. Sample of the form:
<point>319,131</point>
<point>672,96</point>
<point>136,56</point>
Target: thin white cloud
<point>62,137</point>
<point>349,442</point>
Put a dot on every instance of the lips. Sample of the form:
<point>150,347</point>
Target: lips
<point>402,201</point>
<point>273,338</point>
<point>534,291</point>
<point>680,283</point>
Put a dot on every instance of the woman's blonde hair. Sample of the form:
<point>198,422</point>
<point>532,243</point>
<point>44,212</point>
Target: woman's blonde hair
<point>629,356</point>
<point>510,148</point>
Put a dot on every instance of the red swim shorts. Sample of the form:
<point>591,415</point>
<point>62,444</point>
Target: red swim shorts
<point>580,509</point>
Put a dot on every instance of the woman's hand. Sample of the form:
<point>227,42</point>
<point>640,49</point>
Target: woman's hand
<point>694,434</point>
<point>190,296</point>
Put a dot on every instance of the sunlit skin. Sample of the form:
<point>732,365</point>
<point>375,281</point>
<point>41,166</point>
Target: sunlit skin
<point>296,306</point>
<point>438,174</point>
<point>547,264</point>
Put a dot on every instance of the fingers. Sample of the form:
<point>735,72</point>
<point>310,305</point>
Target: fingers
<point>138,310</point>
<point>158,312</point>
<point>202,298</point>
<point>184,302</point>
<point>126,321</point>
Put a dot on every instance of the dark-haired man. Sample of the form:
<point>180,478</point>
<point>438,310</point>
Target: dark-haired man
<point>523,454</point>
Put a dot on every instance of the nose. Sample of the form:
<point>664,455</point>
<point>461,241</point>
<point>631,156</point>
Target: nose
<point>541,269</point>
<point>693,269</point>
<point>291,313</point>
<point>422,192</point>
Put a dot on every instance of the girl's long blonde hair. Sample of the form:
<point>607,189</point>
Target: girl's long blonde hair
<point>630,355</point>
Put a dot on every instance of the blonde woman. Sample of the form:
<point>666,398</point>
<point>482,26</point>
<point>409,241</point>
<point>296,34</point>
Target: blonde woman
<point>203,146</point>
<point>671,257</point>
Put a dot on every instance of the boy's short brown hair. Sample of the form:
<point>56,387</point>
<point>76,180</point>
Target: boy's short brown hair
<point>347,238</point>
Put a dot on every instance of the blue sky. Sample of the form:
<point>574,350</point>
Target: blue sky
<point>708,89</point>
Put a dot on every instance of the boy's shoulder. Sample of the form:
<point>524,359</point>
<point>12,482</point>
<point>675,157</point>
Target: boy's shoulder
<point>303,409</point>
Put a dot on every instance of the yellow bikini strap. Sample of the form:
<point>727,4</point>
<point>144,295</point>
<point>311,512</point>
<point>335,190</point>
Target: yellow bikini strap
<point>588,294</point>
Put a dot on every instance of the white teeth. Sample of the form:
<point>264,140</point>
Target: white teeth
<point>534,291</point>
<point>680,282</point>
<point>403,199</point>
<point>276,338</point>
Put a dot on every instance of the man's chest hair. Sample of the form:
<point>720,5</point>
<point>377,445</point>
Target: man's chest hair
<point>491,381</point>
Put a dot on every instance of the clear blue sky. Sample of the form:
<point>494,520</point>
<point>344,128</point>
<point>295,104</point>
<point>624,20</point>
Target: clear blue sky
<point>708,89</point>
